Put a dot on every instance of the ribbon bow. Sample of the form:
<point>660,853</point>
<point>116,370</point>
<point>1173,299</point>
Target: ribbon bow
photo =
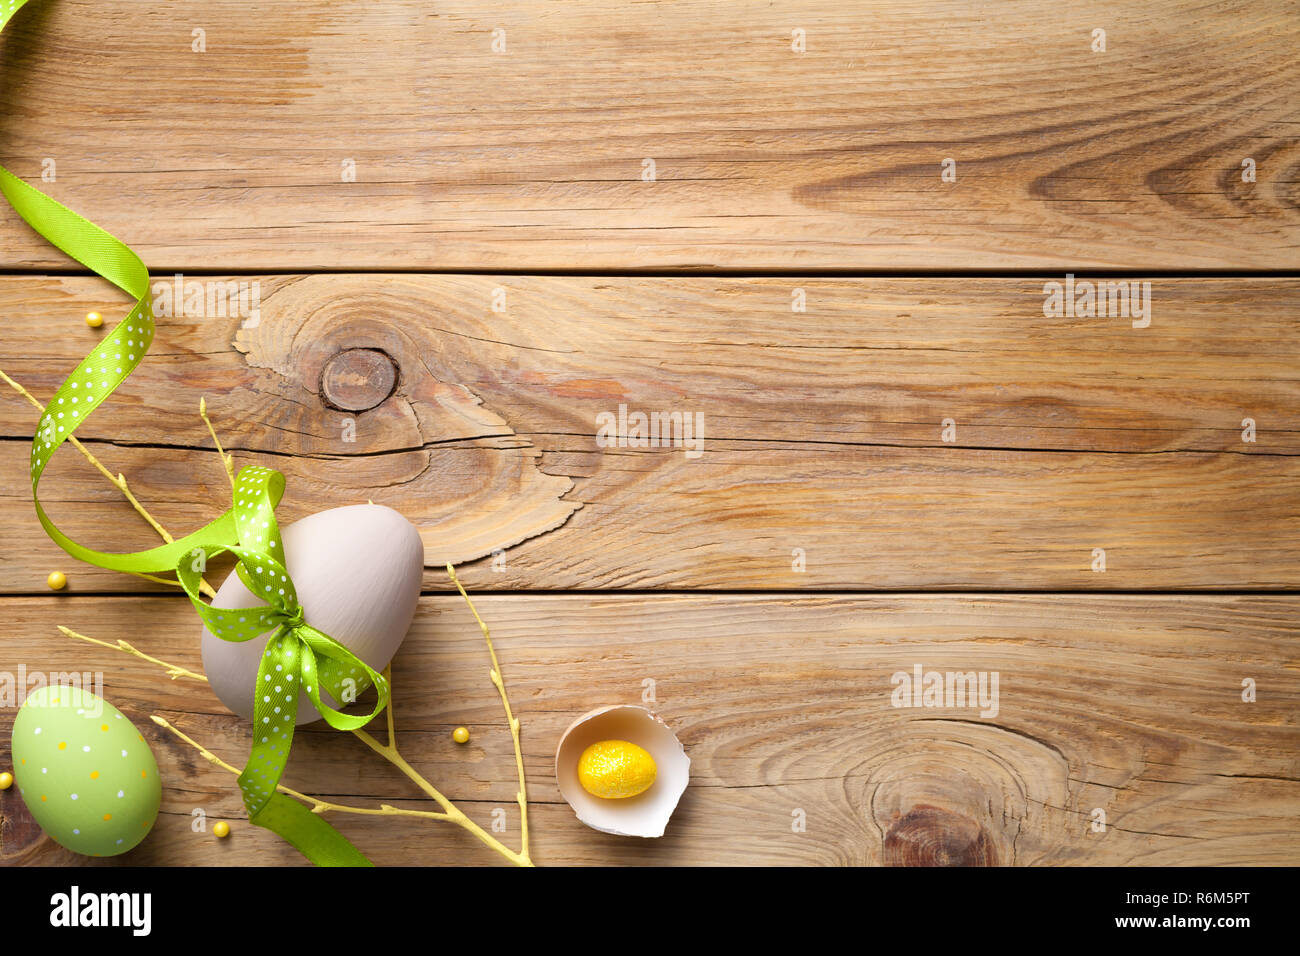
<point>298,657</point>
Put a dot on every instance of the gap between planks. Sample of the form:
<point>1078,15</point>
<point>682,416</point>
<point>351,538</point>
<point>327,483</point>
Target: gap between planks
<point>778,593</point>
<point>760,442</point>
<point>159,271</point>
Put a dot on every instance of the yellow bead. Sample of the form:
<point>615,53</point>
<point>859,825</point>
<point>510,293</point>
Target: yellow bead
<point>57,580</point>
<point>6,780</point>
<point>221,828</point>
<point>460,735</point>
<point>94,319</point>
<point>616,769</point>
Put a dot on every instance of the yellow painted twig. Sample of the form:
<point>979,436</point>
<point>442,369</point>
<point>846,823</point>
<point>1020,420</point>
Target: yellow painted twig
<point>227,460</point>
<point>119,482</point>
<point>450,812</point>
<point>511,719</point>
<point>317,805</point>
<point>173,671</point>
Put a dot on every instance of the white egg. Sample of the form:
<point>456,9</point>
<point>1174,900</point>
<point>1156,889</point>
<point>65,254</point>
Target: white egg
<point>357,571</point>
<point>646,814</point>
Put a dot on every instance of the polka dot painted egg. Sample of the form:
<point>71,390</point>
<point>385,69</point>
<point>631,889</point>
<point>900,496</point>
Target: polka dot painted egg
<point>84,771</point>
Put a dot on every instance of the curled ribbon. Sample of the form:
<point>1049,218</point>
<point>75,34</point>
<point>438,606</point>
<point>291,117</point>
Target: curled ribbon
<point>298,657</point>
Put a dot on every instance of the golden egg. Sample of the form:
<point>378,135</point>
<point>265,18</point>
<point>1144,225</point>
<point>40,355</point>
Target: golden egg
<point>57,580</point>
<point>615,770</point>
<point>94,319</point>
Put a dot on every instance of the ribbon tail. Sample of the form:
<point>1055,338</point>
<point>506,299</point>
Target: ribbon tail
<point>275,705</point>
<point>307,832</point>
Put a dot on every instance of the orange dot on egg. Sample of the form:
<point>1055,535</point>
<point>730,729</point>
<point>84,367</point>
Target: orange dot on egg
<point>108,816</point>
<point>103,727</point>
<point>63,745</point>
<point>144,773</point>
<point>42,798</point>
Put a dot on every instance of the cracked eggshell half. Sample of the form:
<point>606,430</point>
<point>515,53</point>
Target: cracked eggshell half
<point>357,570</point>
<point>645,815</point>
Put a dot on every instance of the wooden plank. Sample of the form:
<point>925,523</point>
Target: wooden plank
<point>1128,705</point>
<point>863,518</point>
<point>870,361</point>
<point>823,431</point>
<point>533,158</point>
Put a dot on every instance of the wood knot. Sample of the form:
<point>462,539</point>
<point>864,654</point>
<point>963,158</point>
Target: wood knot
<point>929,836</point>
<point>356,380</point>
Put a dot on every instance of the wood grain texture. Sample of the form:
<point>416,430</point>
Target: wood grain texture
<point>822,430</point>
<point>532,158</point>
<point>1128,704</point>
<point>908,435</point>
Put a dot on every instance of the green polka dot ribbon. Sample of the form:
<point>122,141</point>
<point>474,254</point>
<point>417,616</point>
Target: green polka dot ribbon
<point>299,659</point>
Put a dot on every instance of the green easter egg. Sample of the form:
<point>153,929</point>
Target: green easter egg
<point>84,771</point>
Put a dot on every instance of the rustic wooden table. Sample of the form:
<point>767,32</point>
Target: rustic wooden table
<point>465,231</point>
